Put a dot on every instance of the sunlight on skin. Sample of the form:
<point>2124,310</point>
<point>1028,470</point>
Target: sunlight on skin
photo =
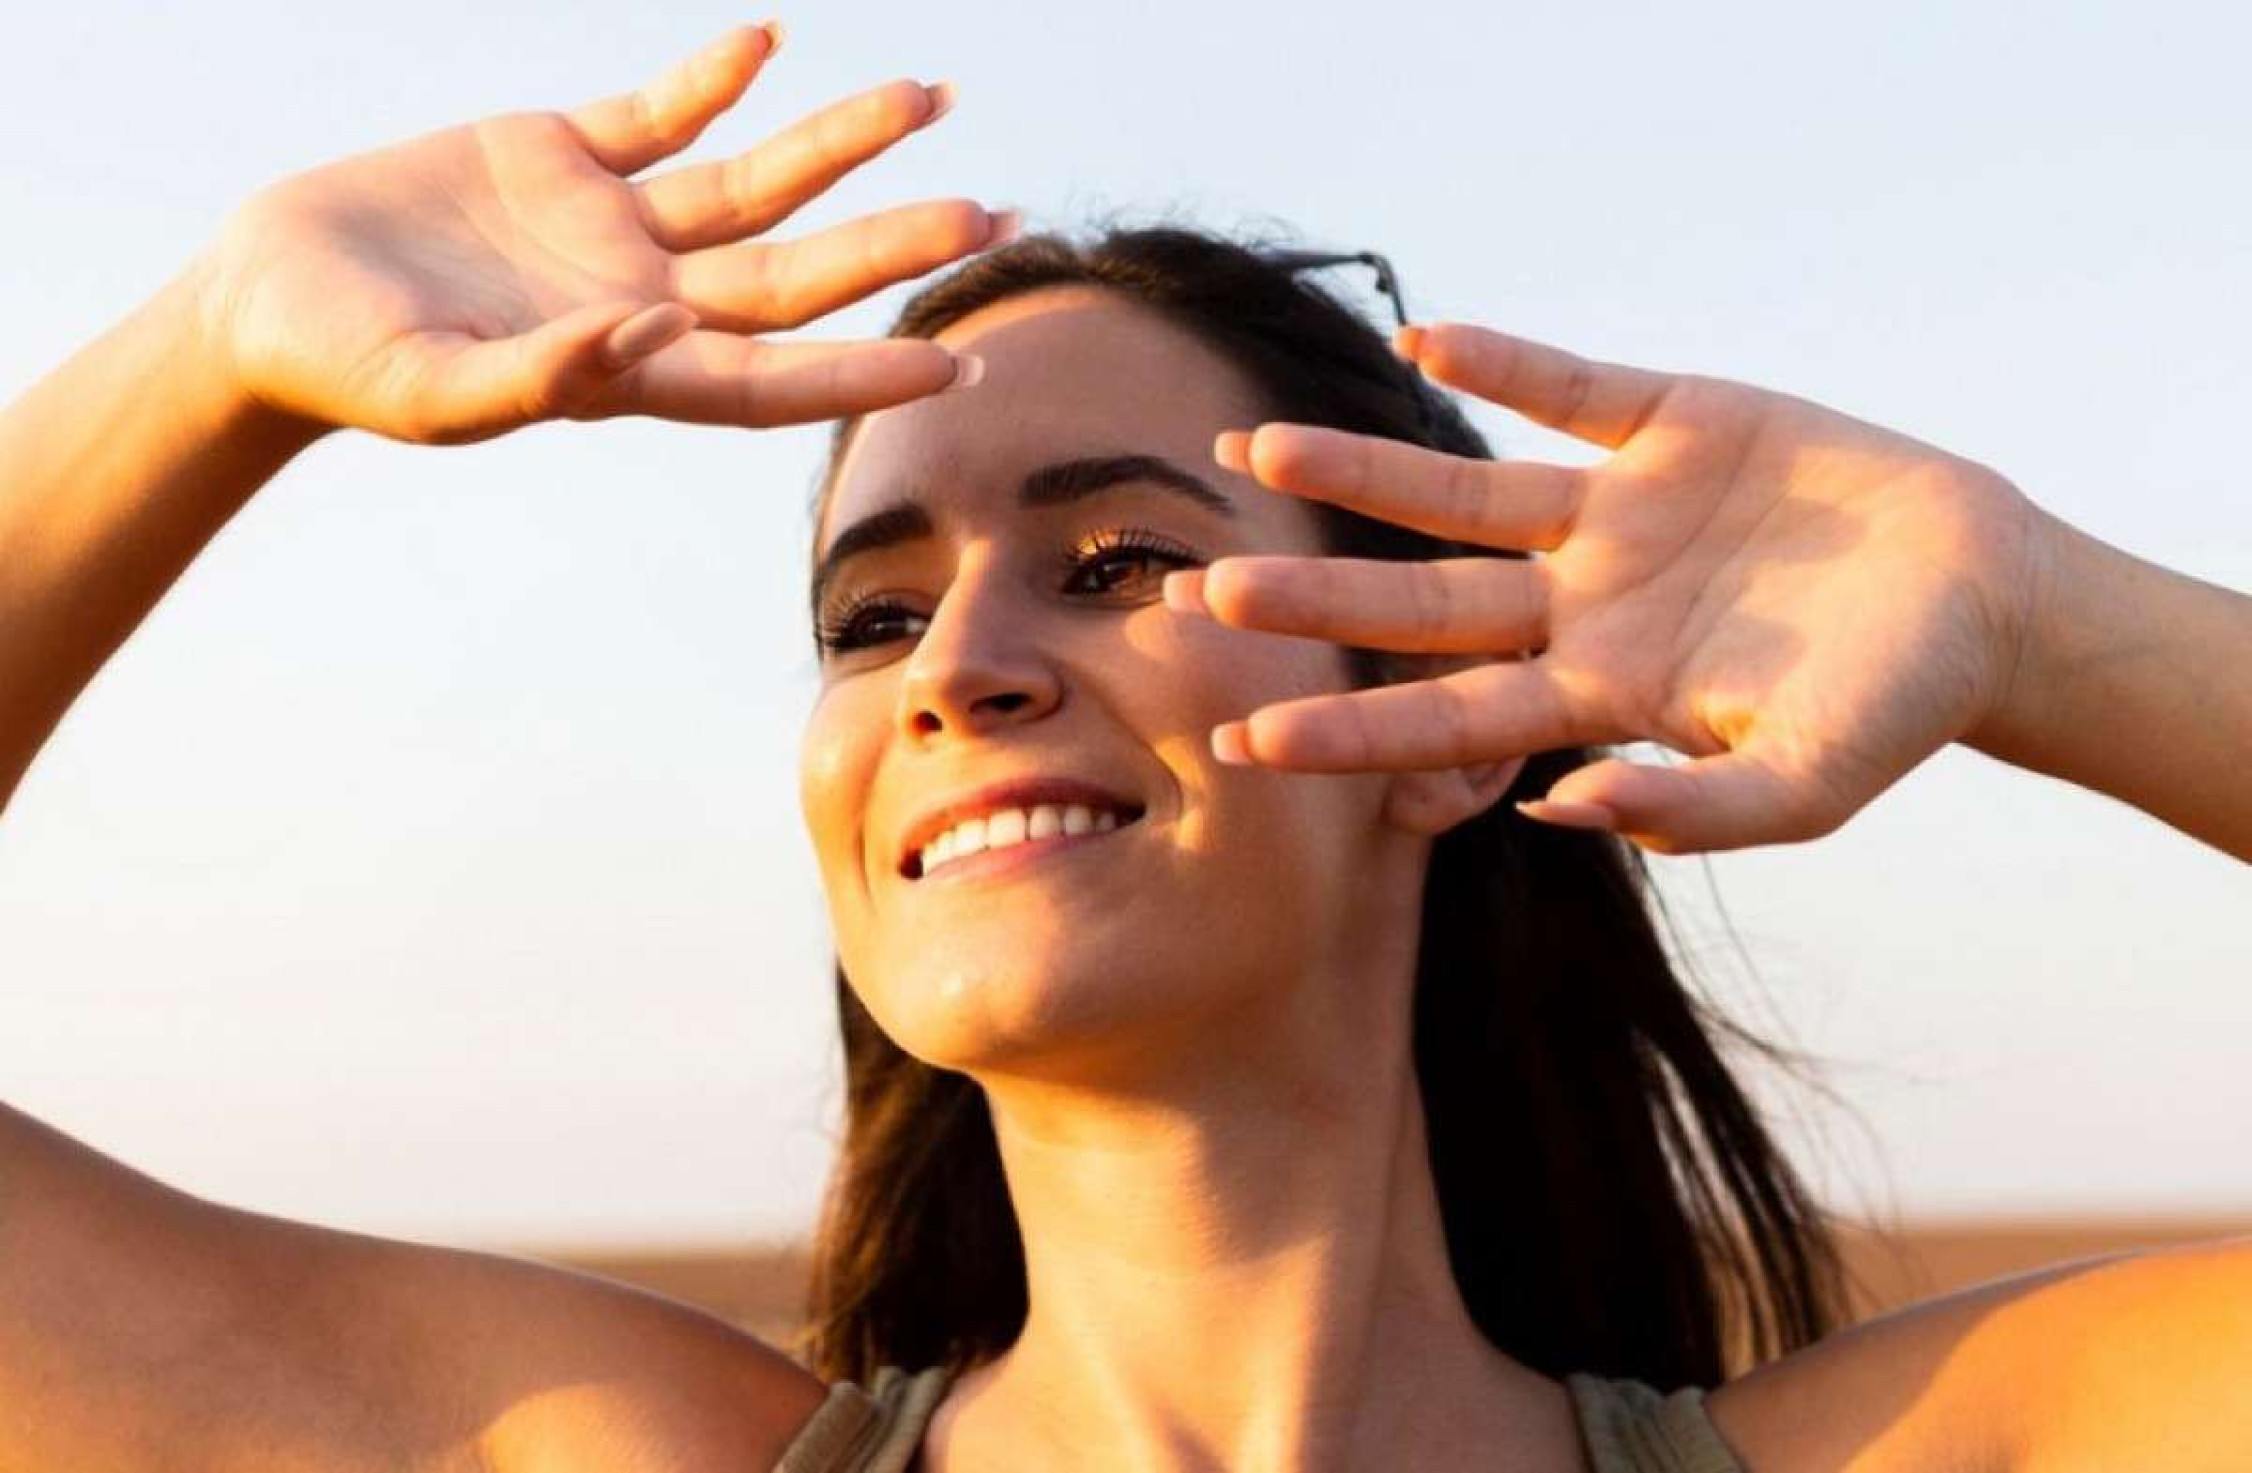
<point>1706,587</point>
<point>1153,1015</point>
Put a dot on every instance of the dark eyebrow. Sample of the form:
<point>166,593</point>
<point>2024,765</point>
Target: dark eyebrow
<point>1051,485</point>
<point>1069,480</point>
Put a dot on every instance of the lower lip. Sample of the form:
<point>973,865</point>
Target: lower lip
<point>995,863</point>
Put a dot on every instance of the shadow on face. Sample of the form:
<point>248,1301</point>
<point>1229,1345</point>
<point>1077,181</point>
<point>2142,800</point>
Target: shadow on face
<point>995,644</point>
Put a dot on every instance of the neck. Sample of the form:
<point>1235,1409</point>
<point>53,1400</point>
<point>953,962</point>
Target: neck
<point>1245,1266</point>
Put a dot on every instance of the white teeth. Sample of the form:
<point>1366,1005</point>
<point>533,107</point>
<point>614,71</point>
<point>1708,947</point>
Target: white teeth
<point>1005,827</point>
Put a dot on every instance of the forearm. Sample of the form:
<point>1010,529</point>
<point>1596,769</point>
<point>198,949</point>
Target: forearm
<point>115,471</point>
<point>2135,681</point>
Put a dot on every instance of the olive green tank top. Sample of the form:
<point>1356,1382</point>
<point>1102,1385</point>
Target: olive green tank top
<point>1627,1426</point>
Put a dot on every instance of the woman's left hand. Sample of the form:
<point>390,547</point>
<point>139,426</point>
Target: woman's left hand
<point>1804,604</point>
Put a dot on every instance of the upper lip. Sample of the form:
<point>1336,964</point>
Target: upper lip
<point>1017,793</point>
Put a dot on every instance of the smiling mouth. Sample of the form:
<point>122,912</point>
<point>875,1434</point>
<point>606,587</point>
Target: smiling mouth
<point>1022,832</point>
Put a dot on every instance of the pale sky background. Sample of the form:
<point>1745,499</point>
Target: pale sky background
<point>430,863</point>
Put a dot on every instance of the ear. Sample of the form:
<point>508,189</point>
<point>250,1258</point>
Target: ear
<point>1430,803</point>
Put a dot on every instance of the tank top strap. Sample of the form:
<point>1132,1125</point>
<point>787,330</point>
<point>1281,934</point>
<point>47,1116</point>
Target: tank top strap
<point>876,1429</point>
<point>1632,1427</point>
<point>1627,1426</point>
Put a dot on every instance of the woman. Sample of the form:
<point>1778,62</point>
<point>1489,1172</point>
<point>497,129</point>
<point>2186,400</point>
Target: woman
<point>1203,1112</point>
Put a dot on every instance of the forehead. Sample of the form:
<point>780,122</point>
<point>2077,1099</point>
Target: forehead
<point>1069,371</point>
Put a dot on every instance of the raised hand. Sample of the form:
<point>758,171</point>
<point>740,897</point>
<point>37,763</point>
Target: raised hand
<point>1804,604</point>
<point>464,283</point>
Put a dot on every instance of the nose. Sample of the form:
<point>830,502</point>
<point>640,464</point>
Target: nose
<point>978,665</point>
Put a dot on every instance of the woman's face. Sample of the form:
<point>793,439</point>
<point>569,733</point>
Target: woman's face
<point>991,568</point>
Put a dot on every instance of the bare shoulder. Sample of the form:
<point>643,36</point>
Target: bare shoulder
<point>2129,1361</point>
<point>477,1361</point>
<point>144,1328</point>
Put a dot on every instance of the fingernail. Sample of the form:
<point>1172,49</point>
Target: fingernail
<point>1228,745</point>
<point>1184,592</point>
<point>942,100</point>
<point>1570,815</point>
<point>1007,226</point>
<point>969,372</point>
<point>647,331</point>
<point>774,35</point>
<point>1232,449</point>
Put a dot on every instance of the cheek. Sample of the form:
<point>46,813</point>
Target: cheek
<point>836,764</point>
<point>1209,669</point>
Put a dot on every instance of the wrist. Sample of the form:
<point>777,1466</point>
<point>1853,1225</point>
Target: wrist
<point>2064,572</point>
<point>197,308</point>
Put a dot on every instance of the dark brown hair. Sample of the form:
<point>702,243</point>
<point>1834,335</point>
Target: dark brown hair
<point>1611,1199</point>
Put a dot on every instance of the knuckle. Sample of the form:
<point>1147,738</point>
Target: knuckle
<point>1563,492</point>
<point>1363,746</point>
<point>762,274</point>
<point>1358,471</point>
<point>737,185</point>
<point>647,116</point>
<point>1430,603</point>
<point>1529,585</point>
<point>1575,389</point>
<point>1458,724</point>
<point>752,409</point>
<point>1463,492</point>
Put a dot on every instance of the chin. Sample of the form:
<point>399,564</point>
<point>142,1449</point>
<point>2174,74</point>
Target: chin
<point>1003,1016</point>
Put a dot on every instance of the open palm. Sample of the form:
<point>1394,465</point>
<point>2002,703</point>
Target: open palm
<point>1804,604</point>
<point>490,275</point>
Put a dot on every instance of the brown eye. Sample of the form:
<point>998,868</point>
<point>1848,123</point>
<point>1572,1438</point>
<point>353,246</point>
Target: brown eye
<point>863,622</point>
<point>1109,561</point>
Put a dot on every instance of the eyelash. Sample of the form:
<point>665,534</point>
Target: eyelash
<point>843,629</point>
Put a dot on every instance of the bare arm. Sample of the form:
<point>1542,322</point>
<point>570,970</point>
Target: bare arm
<point>144,1329</point>
<point>1803,604</point>
<point>115,471</point>
<point>446,289</point>
<point>2135,681</point>
<point>2128,1361</point>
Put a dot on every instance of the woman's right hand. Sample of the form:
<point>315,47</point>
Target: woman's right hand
<point>464,283</point>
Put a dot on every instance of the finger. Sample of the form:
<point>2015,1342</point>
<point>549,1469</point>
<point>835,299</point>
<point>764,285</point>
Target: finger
<point>756,287</point>
<point>450,388</point>
<point>719,378</point>
<point>709,204</point>
<point>635,129</point>
<point>1445,606</point>
<point>1518,504</point>
<point>1488,714</point>
<point>1606,403</point>
<point>1730,801</point>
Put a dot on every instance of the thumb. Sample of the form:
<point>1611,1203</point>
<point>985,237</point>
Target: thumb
<point>1730,801</point>
<point>461,388</point>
